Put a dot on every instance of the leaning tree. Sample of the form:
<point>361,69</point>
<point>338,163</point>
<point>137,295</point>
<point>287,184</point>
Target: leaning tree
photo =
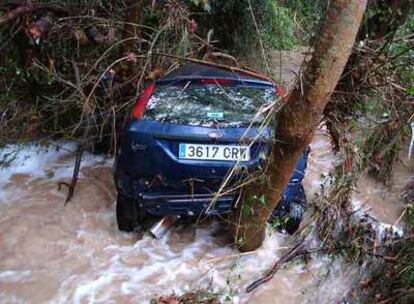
<point>298,119</point>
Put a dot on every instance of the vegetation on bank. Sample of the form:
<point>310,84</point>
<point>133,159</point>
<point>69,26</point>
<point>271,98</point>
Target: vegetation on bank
<point>369,119</point>
<point>73,69</point>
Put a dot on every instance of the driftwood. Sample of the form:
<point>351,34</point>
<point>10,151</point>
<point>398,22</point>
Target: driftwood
<point>83,144</point>
<point>296,251</point>
<point>71,186</point>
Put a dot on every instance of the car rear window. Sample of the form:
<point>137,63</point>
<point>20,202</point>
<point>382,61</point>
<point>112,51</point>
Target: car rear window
<point>209,104</point>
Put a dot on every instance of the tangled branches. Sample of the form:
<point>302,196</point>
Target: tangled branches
<point>77,73</point>
<point>374,95</point>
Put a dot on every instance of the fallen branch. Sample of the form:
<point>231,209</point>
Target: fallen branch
<point>299,250</point>
<point>296,251</point>
<point>29,8</point>
<point>218,65</point>
<point>72,185</point>
<point>81,146</point>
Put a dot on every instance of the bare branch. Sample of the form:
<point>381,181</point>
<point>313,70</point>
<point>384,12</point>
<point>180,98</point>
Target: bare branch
<point>29,8</point>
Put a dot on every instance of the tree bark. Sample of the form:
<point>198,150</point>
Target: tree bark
<point>300,116</point>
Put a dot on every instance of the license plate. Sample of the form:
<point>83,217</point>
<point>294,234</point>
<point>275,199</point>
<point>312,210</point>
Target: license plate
<point>214,152</point>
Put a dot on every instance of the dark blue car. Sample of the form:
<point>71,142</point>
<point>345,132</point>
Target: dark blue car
<point>194,135</point>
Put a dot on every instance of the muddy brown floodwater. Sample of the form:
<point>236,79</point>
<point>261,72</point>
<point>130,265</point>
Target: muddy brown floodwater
<point>56,254</point>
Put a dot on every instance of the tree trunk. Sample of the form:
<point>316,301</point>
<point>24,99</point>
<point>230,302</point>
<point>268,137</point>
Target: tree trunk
<point>298,119</point>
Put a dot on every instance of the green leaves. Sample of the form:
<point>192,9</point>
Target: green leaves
<point>262,200</point>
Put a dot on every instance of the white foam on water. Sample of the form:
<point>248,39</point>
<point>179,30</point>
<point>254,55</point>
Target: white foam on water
<point>14,275</point>
<point>42,161</point>
<point>31,159</point>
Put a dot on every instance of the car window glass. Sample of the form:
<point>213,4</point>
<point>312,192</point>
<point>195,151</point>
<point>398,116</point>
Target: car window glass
<point>208,104</point>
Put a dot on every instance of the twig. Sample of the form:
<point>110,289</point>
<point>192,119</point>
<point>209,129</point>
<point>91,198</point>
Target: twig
<point>222,66</point>
<point>230,256</point>
<point>399,295</point>
<point>10,36</point>
<point>260,39</point>
<point>400,217</point>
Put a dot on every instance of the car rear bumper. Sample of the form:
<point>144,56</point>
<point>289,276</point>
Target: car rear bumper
<point>187,205</point>
<point>174,198</point>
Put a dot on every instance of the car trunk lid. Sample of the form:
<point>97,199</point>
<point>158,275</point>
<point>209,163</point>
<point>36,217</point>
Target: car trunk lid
<point>152,148</point>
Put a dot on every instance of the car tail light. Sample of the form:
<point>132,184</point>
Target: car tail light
<point>141,103</point>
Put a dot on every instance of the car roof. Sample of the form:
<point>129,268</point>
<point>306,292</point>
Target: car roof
<point>193,71</point>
